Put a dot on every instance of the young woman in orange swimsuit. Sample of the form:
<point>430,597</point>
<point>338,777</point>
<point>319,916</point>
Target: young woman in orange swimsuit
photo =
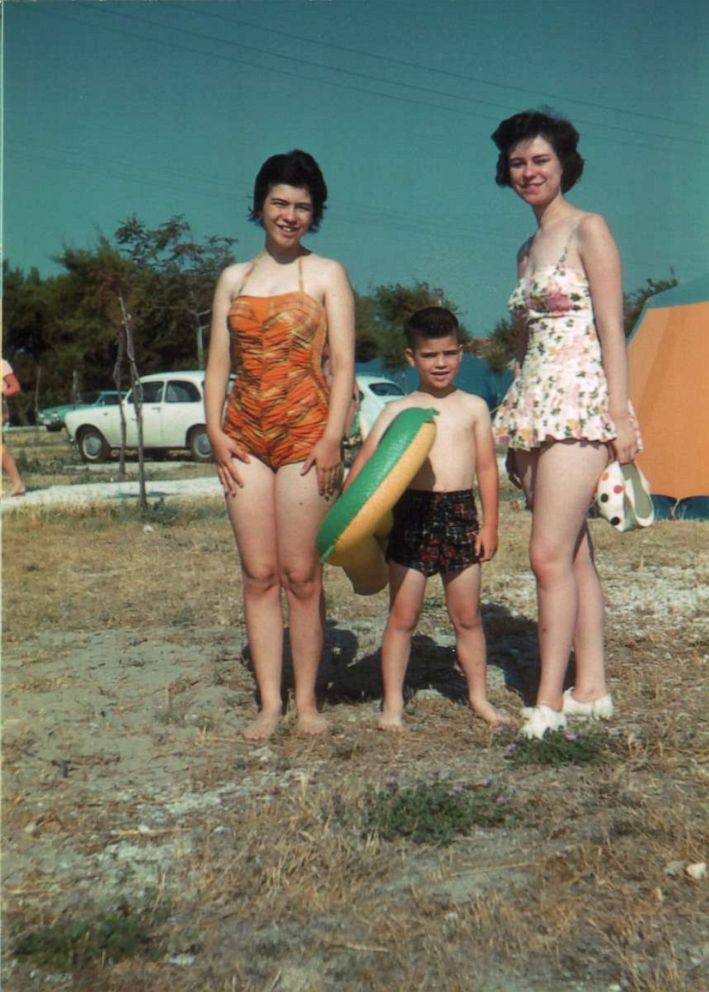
<point>277,444</point>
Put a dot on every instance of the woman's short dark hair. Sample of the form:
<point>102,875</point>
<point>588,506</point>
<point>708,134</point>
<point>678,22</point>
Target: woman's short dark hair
<point>296,168</point>
<point>560,133</point>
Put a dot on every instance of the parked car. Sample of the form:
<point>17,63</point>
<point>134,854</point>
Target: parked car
<point>52,417</point>
<point>375,391</point>
<point>173,417</point>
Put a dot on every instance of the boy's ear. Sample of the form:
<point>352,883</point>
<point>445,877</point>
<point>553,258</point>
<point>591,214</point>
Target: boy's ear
<point>409,355</point>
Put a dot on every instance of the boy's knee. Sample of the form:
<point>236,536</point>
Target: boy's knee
<point>466,622</point>
<point>404,620</point>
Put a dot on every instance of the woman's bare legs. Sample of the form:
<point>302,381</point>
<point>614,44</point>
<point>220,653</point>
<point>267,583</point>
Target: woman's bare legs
<point>559,480</point>
<point>253,517</point>
<point>299,512</point>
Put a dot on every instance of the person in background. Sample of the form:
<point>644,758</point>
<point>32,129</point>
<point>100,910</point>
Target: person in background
<point>10,387</point>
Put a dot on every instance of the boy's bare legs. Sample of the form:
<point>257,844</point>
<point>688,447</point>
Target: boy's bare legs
<point>406,591</point>
<point>253,518</point>
<point>10,466</point>
<point>300,510</point>
<point>463,604</point>
<point>560,481</point>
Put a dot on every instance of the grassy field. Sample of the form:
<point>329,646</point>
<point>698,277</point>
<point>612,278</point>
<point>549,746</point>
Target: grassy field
<point>147,847</point>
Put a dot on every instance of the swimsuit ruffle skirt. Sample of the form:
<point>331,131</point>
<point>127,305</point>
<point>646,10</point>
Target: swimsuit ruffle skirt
<point>561,392</point>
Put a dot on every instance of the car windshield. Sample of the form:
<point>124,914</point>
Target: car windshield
<point>386,389</point>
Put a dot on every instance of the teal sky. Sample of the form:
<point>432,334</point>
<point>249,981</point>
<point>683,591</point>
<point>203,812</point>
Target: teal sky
<point>160,108</point>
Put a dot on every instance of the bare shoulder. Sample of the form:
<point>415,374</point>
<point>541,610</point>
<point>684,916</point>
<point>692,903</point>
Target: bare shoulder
<point>592,228</point>
<point>232,277</point>
<point>474,404</point>
<point>327,270</point>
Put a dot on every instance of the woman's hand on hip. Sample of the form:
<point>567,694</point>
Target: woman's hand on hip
<point>227,452</point>
<point>327,459</point>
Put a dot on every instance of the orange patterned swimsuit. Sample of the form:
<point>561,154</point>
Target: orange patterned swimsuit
<point>279,403</point>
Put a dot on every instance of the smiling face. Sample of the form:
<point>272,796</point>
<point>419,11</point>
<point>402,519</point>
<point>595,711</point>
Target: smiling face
<point>535,171</point>
<point>286,215</point>
<point>437,361</point>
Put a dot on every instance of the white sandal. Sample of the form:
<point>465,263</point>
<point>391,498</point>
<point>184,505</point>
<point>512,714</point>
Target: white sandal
<point>598,709</point>
<point>540,719</point>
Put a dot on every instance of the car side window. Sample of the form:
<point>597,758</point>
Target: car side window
<point>181,391</point>
<point>152,392</point>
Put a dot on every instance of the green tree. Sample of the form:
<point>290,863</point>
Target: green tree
<point>635,301</point>
<point>178,275</point>
<point>381,316</point>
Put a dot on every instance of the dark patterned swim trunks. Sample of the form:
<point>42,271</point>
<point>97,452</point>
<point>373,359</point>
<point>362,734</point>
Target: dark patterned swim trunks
<point>434,532</point>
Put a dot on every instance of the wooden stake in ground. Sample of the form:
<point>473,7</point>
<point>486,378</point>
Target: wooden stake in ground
<point>137,399</point>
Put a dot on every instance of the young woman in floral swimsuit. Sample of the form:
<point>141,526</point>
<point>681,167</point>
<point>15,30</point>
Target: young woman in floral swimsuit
<point>566,406</point>
<point>277,444</point>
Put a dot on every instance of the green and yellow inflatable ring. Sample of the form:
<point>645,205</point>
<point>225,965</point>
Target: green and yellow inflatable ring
<point>353,533</point>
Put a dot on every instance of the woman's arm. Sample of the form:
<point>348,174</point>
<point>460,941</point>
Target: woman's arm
<point>339,308</point>
<point>11,385</point>
<point>224,448</point>
<point>601,262</point>
<point>488,483</point>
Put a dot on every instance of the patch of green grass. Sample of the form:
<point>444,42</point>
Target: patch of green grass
<point>562,748</point>
<point>432,812</point>
<point>73,943</point>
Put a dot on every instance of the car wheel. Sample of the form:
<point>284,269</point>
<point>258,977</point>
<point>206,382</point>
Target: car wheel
<point>93,446</point>
<point>55,426</point>
<point>198,443</point>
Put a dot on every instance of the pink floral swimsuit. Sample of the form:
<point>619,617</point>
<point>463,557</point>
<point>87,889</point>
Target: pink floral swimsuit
<point>561,392</point>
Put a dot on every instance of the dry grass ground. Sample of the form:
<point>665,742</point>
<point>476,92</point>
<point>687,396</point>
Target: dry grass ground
<point>147,847</point>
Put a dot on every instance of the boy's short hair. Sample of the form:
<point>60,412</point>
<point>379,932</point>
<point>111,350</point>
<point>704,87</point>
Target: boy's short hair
<point>429,324</point>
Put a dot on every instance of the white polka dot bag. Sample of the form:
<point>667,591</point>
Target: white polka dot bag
<point>623,497</point>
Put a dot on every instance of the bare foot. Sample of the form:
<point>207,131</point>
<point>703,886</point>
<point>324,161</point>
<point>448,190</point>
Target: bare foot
<point>391,720</point>
<point>18,491</point>
<point>487,712</point>
<point>312,724</point>
<point>263,726</point>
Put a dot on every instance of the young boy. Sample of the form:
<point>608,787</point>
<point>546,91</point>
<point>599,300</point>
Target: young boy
<point>436,527</point>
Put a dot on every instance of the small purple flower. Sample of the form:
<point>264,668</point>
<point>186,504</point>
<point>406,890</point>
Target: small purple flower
<point>391,782</point>
<point>502,800</point>
<point>456,791</point>
<point>571,736</point>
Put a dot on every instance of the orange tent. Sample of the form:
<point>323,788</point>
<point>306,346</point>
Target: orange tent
<point>669,375</point>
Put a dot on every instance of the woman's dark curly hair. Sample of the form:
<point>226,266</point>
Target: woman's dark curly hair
<point>296,168</point>
<point>561,135</point>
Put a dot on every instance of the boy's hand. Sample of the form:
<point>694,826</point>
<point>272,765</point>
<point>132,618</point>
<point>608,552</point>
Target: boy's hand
<point>486,543</point>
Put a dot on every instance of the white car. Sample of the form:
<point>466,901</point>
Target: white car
<point>173,417</point>
<point>375,391</point>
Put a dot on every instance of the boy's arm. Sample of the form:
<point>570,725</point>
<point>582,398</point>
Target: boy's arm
<point>371,442</point>
<point>488,484</point>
